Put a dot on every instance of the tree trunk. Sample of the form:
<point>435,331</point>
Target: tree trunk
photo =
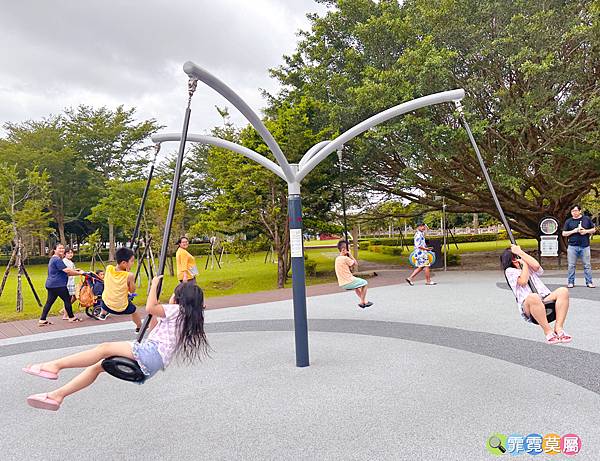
<point>475,220</point>
<point>60,224</point>
<point>284,262</point>
<point>19,264</point>
<point>111,241</point>
<point>170,267</point>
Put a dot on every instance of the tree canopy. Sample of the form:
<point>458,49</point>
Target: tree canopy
<point>530,70</point>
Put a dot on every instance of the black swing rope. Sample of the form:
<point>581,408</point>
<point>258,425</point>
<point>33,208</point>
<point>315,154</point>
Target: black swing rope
<point>550,305</point>
<point>123,367</point>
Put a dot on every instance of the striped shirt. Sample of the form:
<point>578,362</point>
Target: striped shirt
<point>521,292</point>
<point>166,333</point>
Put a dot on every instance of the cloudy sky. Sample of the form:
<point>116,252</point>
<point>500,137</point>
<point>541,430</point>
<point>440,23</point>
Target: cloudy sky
<point>62,53</point>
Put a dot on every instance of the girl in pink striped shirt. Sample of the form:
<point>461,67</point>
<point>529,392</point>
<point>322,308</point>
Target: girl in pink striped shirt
<point>179,329</point>
<point>520,268</point>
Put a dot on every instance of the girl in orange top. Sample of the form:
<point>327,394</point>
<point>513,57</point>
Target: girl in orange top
<point>186,263</point>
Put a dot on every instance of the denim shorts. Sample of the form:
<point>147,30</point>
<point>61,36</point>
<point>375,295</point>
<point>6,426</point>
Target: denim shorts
<point>354,284</point>
<point>147,356</point>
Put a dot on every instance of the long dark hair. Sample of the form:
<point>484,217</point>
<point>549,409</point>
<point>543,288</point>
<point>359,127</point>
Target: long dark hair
<point>506,259</point>
<point>192,343</point>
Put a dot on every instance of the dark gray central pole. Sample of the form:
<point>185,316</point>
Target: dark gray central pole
<point>298,274</point>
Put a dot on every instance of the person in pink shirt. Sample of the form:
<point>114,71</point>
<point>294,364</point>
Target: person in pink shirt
<point>179,330</point>
<point>344,264</point>
<point>520,268</point>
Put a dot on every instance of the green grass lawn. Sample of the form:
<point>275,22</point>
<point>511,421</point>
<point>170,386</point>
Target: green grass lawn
<point>315,243</point>
<point>235,277</point>
<point>470,247</point>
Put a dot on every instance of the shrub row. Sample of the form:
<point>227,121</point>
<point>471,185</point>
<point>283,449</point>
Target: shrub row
<point>458,238</point>
<point>199,249</point>
<point>452,259</point>
<point>386,249</point>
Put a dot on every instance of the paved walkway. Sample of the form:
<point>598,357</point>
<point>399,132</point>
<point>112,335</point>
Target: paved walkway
<point>31,327</point>
<point>427,373</point>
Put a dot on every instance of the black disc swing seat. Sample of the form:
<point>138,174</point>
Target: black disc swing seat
<point>123,367</point>
<point>550,305</point>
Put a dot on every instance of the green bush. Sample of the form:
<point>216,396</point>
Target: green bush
<point>30,261</point>
<point>386,249</point>
<point>395,242</point>
<point>310,266</point>
<point>389,250</point>
<point>199,249</point>
<point>503,235</point>
<point>452,259</point>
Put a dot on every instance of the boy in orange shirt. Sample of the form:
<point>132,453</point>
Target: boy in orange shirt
<point>344,264</point>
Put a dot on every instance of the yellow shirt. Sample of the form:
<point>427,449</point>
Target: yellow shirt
<point>185,263</point>
<point>342,270</point>
<point>116,289</point>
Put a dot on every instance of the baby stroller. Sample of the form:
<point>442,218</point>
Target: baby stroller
<point>90,294</point>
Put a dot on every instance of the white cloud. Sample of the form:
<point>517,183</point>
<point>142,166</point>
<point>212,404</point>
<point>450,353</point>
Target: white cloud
<point>63,53</point>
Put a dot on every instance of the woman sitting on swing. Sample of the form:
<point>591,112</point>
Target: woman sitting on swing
<point>519,268</point>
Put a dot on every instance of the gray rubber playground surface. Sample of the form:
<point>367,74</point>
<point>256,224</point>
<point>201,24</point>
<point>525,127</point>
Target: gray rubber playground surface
<point>426,373</point>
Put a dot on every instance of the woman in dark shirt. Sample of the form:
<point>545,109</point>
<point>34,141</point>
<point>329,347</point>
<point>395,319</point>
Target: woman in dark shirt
<point>56,285</point>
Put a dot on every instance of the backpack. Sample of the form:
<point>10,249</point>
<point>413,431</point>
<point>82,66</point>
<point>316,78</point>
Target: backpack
<point>86,296</point>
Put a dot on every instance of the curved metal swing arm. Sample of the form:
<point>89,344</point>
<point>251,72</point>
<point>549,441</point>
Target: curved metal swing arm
<point>310,153</point>
<point>197,72</point>
<point>218,142</point>
<point>409,106</point>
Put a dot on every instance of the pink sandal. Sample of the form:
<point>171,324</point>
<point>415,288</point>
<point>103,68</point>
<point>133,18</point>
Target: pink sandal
<point>564,337</point>
<point>36,370</point>
<point>552,338</point>
<point>43,401</point>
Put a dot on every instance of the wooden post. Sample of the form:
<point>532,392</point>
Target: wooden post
<point>7,271</point>
<point>37,298</point>
<point>19,263</point>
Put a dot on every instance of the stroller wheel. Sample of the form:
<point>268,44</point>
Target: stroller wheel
<point>93,311</point>
<point>90,312</point>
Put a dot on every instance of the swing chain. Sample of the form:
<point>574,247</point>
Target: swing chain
<point>192,85</point>
<point>459,108</point>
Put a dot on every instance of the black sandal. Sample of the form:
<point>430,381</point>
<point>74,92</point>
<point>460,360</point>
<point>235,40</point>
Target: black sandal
<point>44,323</point>
<point>75,319</point>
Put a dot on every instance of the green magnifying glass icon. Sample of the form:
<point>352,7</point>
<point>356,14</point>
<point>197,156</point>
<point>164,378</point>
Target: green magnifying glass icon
<point>495,442</point>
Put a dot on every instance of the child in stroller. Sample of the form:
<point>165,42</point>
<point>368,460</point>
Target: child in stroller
<point>92,286</point>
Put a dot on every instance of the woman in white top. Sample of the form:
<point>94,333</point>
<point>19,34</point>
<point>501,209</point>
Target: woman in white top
<point>68,260</point>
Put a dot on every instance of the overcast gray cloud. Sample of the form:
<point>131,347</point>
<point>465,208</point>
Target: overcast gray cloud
<point>62,53</point>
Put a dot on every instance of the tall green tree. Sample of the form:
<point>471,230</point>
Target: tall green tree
<point>531,73</point>
<point>73,187</point>
<point>23,200</point>
<point>118,209</point>
<point>110,141</point>
<point>242,196</point>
